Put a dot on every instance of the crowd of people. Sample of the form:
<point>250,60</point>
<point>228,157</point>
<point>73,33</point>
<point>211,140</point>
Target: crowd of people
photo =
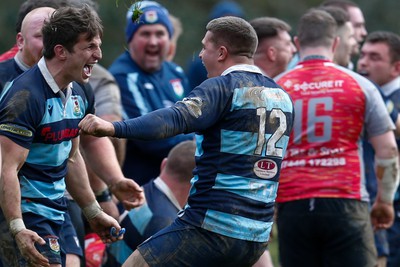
<point>147,163</point>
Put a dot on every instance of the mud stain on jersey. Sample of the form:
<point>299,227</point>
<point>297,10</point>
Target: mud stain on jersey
<point>194,105</point>
<point>17,105</point>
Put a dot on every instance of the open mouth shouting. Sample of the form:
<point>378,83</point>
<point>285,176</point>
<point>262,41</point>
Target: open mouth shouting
<point>87,70</point>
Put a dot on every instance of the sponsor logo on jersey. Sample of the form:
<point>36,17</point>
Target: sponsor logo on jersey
<point>65,134</point>
<point>318,85</point>
<point>16,129</point>
<point>265,168</point>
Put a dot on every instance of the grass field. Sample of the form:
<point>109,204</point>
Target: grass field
<point>273,247</point>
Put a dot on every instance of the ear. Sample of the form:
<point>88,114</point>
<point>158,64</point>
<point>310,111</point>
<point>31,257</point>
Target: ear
<point>60,52</point>
<point>19,40</point>
<point>396,68</point>
<point>296,43</point>
<point>335,44</point>
<point>222,53</point>
<point>163,164</point>
<point>271,53</point>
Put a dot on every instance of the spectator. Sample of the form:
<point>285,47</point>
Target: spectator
<point>323,211</point>
<point>242,132</point>
<point>148,82</point>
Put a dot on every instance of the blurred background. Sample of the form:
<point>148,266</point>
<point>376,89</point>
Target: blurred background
<point>194,15</point>
<point>379,15</point>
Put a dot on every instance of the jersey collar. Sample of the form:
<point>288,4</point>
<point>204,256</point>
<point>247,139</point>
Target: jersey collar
<point>49,79</point>
<point>242,67</point>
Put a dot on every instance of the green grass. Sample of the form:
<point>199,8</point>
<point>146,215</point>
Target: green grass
<point>273,247</point>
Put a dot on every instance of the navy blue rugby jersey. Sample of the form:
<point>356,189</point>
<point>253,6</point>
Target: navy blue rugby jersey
<point>33,115</point>
<point>9,70</point>
<point>141,93</point>
<point>242,121</point>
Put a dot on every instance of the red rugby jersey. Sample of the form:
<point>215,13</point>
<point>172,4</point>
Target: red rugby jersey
<point>334,107</point>
<point>9,54</point>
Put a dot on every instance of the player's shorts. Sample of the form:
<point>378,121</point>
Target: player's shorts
<point>182,244</point>
<point>48,230</point>
<point>325,232</point>
<point>69,240</point>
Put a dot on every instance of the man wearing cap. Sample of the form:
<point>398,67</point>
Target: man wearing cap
<point>148,82</point>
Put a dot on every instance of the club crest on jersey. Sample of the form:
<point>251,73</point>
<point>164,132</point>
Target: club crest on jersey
<point>177,86</point>
<point>265,168</point>
<point>53,244</point>
<point>77,108</point>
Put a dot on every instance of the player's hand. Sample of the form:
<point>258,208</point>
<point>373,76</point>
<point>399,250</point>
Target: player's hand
<point>102,225</point>
<point>382,215</point>
<point>26,240</point>
<point>110,208</point>
<point>128,192</point>
<point>96,126</point>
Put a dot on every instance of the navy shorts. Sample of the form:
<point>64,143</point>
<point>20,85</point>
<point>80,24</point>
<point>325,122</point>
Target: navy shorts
<point>48,230</point>
<point>69,239</point>
<point>182,244</point>
<point>325,232</point>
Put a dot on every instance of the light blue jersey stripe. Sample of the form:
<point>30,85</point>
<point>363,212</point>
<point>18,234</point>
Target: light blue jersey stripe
<point>120,251</point>
<point>55,110</point>
<point>6,89</point>
<point>134,89</point>
<point>55,155</point>
<point>260,190</point>
<point>140,217</point>
<point>232,142</point>
<point>193,181</point>
<point>38,189</point>
<point>237,226</point>
<point>199,149</point>
<point>44,211</point>
<point>256,97</point>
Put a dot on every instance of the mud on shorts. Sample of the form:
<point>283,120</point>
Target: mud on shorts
<point>182,244</point>
<point>48,230</point>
